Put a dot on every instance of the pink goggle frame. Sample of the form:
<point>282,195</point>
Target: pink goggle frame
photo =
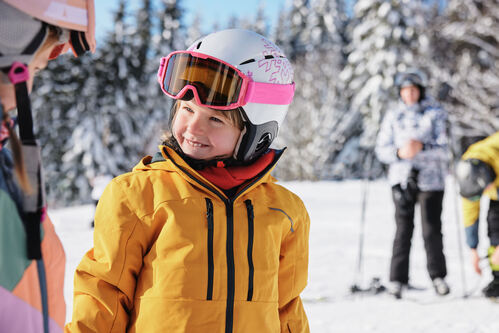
<point>249,92</point>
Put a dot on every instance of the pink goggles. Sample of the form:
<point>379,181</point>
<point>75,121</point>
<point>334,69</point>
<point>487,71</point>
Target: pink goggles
<point>215,83</point>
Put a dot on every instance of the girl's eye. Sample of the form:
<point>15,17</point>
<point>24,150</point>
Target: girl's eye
<point>216,119</point>
<point>188,109</point>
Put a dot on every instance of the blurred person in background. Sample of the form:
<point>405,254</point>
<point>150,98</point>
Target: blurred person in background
<point>413,141</point>
<point>32,259</point>
<point>478,175</point>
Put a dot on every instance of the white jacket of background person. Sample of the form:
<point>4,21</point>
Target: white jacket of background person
<point>424,121</point>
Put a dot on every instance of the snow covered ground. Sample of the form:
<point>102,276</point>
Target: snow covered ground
<point>335,211</point>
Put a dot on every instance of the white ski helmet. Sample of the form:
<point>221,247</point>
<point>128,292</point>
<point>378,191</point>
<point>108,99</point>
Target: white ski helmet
<point>262,61</point>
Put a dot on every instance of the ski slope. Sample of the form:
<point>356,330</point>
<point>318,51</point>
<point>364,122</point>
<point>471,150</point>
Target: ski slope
<point>335,212</point>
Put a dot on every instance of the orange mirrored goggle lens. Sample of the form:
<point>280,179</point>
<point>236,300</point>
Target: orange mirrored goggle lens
<point>216,83</point>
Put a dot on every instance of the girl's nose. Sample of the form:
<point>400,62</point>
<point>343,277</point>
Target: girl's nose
<point>196,125</point>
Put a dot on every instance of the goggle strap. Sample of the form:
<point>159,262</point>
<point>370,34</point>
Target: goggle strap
<point>269,93</point>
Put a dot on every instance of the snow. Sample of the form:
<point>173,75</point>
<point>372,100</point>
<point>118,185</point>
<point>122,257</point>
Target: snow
<point>335,212</point>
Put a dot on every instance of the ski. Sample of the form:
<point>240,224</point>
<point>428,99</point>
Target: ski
<point>375,287</point>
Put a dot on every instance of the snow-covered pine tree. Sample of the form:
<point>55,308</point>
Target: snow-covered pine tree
<point>98,142</point>
<point>295,43</point>
<point>386,36</point>
<point>194,30</point>
<point>465,60</point>
<point>144,64</point>
<point>233,22</point>
<point>280,33</point>
<point>260,22</point>
<point>57,107</point>
<point>171,28</point>
<point>107,114</point>
<point>171,38</point>
<point>312,115</point>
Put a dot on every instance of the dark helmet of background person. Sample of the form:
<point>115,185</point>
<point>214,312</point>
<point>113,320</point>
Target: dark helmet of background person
<point>412,77</point>
<point>473,176</point>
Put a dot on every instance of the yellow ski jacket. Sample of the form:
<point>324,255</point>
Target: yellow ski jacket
<point>172,253</point>
<point>486,150</point>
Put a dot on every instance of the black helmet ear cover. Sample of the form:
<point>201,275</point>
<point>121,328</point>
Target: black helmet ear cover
<point>255,139</point>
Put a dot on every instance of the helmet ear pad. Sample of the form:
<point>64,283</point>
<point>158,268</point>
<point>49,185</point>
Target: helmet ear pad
<point>255,140</point>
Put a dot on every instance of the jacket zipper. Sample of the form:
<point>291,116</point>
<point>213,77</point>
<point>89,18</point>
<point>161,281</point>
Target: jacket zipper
<point>209,217</point>
<point>229,248</point>
<point>229,206</point>
<point>249,209</point>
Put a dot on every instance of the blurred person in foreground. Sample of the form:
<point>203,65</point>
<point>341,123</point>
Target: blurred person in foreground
<point>478,175</point>
<point>413,141</point>
<point>32,259</point>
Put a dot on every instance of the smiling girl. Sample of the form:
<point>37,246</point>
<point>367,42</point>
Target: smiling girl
<point>200,238</point>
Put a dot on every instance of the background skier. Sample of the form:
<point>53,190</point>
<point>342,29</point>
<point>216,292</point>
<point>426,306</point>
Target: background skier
<point>478,174</point>
<point>413,141</point>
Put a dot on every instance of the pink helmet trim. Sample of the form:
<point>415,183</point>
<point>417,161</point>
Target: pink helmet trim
<point>269,93</point>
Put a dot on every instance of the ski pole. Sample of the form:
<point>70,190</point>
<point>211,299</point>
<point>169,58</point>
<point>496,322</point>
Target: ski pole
<point>358,276</point>
<point>459,238</point>
<point>365,190</point>
<point>456,211</point>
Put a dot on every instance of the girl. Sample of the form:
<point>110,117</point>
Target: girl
<point>200,238</point>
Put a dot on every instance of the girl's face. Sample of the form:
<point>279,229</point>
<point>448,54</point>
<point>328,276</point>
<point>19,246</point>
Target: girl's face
<point>204,133</point>
<point>410,95</point>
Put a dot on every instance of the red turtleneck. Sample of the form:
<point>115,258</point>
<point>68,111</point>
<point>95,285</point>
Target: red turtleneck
<point>232,176</point>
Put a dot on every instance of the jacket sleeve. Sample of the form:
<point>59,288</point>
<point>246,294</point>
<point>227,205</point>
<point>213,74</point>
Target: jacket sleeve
<point>54,259</point>
<point>293,273</point>
<point>105,279</point>
<point>385,150</point>
<point>471,215</point>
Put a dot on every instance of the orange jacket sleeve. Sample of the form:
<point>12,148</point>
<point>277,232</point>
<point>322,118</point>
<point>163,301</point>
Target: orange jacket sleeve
<point>105,280</point>
<point>293,274</point>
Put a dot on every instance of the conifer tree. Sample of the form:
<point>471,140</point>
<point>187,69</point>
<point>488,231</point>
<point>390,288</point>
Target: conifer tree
<point>386,37</point>
<point>309,123</point>
<point>465,60</point>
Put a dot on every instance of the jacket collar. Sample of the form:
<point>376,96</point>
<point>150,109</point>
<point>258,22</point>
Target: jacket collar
<point>173,162</point>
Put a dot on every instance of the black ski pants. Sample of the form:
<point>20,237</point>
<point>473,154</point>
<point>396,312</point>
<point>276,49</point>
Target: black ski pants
<point>493,227</point>
<point>431,208</point>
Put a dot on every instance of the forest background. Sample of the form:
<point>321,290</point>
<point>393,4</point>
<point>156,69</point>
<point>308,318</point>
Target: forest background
<point>100,114</point>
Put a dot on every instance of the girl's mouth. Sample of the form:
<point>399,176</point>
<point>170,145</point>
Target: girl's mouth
<point>195,143</point>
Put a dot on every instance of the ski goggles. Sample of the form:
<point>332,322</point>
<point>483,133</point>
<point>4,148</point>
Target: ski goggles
<point>215,83</point>
<point>76,40</point>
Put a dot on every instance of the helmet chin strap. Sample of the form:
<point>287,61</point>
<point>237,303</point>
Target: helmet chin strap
<point>238,144</point>
<point>34,202</point>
